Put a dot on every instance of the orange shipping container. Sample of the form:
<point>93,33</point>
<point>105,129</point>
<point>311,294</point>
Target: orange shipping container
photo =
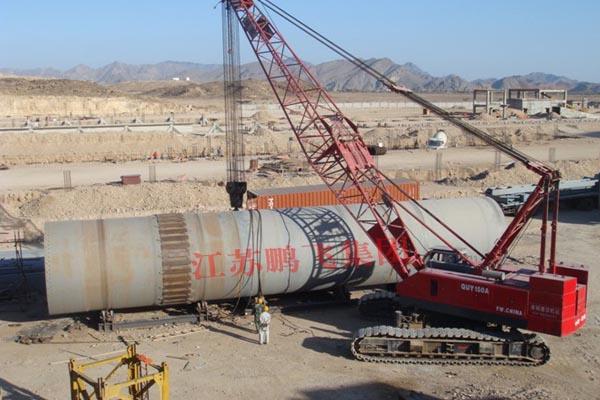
<point>320,195</point>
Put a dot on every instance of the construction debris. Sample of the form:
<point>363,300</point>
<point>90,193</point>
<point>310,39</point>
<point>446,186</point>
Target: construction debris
<point>44,332</point>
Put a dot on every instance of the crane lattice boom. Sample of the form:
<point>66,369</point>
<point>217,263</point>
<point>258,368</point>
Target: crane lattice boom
<point>330,141</point>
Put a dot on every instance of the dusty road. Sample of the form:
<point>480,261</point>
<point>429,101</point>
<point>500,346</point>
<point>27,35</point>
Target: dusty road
<point>26,177</point>
<point>567,149</point>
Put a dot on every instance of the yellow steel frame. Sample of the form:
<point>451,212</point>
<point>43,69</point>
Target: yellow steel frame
<point>85,388</point>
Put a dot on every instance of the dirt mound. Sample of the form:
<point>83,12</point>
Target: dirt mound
<point>554,116</point>
<point>465,182</point>
<point>19,106</point>
<point>104,201</point>
<point>139,87</point>
<point>54,87</point>
<point>185,90</point>
<point>19,148</point>
<point>254,90</point>
<point>41,148</point>
<point>513,112</point>
<point>486,117</point>
<point>263,117</point>
<point>36,96</point>
<point>519,175</point>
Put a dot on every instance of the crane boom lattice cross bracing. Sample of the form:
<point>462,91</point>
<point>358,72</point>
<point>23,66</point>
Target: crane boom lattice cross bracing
<point>330,141</point>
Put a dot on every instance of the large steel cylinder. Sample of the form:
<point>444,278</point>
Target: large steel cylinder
<point>183,258</point>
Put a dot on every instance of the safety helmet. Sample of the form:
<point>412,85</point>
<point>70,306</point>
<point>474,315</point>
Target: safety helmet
<point>266,308</point>
<point>259,300</point>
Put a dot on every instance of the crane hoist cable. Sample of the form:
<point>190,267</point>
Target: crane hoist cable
<point>550,176</point>
<point>387,82</point>
<point>364,66</point>
<point>234,150</point>
<point>334,146</point>
<point>382,78</point>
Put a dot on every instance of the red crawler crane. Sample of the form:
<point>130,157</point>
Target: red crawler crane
<point>447,283</point>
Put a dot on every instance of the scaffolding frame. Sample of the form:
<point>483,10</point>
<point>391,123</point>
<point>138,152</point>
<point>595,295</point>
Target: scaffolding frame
<point>138,382</point>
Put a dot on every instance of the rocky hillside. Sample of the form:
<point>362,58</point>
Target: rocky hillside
<point>338,75</point>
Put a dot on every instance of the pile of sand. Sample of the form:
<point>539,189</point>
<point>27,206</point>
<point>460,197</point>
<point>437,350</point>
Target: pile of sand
<point>16,106</point>
<point>513,112</point>
<point>472,182</point>
<point>110,201</point>
<point>30,148</point>
<point>106,201</point>
<point>263,117</point>
<point>41,96</point>
<point>486,117</point>
<point>42,148</point>
<point>554,116</point>
<point>102,201</point>
<point>54,87</point>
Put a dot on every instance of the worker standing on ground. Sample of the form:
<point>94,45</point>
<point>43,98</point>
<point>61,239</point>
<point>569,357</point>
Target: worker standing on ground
<point>258,309</point>
<point>265,323</point>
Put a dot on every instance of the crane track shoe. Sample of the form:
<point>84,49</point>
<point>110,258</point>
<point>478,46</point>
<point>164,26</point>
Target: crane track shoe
<point>378,305</point>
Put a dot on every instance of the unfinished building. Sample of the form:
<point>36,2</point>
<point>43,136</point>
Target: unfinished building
<point>536,101</point>
<point>490,100</point>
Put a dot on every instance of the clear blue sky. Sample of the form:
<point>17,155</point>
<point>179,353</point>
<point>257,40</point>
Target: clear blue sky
<point>471,38</point>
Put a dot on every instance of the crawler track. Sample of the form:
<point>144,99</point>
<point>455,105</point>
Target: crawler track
<point>387,344</point>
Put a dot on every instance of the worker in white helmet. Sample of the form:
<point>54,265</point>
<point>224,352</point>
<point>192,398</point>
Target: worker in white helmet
<point>265,323</point>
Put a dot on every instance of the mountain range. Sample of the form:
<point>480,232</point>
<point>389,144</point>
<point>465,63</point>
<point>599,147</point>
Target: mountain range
<point>339,75</point>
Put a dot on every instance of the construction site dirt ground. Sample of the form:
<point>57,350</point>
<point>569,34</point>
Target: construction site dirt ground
<point>309,357</point>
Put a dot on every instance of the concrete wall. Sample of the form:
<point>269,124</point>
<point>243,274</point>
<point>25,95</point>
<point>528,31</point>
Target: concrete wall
<point>532,106</point>
<point>446,105</point>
